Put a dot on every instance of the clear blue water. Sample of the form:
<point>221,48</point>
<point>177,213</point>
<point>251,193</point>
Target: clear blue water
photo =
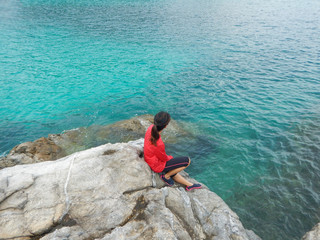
<point>245,73</point>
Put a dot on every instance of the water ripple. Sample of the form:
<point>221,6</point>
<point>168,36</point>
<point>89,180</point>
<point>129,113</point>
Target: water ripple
<point>246,74</point>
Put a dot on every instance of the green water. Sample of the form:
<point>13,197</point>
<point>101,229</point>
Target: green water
<point>243,75</point>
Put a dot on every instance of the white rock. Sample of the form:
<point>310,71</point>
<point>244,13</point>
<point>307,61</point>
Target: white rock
<point>314,234</point>
<point>108,192</point>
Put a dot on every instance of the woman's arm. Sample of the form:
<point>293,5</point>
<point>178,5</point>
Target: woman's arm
<point>161,153</point>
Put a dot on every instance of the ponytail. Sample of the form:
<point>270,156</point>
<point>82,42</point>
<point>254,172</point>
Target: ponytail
<point>154,135</point>
<point>161,120</point>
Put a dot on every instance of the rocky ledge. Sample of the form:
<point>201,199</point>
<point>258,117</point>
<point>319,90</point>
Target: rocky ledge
<point>56,146</point>
<point>108,192</point>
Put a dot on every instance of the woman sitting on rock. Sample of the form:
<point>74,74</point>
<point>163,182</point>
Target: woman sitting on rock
<point>156,157</point>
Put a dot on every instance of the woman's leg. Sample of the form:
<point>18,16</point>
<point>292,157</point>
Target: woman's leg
<point>175,165</point>
<point>178,178</point>
<point>174,172</point>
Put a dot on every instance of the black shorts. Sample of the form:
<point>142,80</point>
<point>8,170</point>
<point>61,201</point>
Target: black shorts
<point>175,163</point>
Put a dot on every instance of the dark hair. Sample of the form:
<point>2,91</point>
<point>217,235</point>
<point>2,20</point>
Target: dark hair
<point>161,120</point>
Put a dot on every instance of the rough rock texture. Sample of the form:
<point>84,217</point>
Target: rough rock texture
<point>40,150</point>
<point>123,131</point>
<point>314,234</point>
<point>108,192</point>
<point>60,145</point>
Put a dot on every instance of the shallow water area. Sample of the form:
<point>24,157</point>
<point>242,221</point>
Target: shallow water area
<point>243,77</point>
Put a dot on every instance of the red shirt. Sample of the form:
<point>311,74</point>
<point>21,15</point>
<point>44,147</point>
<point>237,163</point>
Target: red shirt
<point>155,156</point>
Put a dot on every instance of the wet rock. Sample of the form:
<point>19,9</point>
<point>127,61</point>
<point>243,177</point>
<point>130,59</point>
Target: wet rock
<point>40,150</point>
<point>108,192</point>
<point>314,234</point>
<point>71,141</point>
<point>123,131</point>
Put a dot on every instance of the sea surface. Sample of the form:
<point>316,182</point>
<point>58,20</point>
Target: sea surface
<point>243,75</point>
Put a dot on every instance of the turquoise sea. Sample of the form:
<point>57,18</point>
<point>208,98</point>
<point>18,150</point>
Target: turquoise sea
<point>243,74</point>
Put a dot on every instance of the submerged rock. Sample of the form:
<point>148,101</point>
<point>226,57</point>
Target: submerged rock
<point>314,234</point>
<point>61,145</point>
<point>108,192</point>
<point>123,131</point>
